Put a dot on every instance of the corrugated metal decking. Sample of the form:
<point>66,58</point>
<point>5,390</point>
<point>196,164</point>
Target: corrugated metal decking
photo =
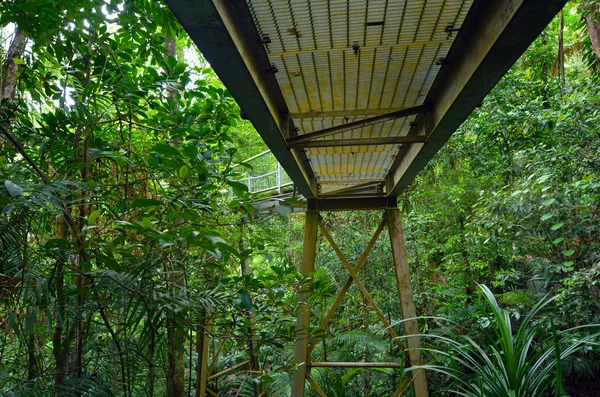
<point>297,67</point>
<point>342,61</point>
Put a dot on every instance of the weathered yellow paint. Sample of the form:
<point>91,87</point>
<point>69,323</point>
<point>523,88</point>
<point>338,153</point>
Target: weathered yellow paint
<point>393,67</point>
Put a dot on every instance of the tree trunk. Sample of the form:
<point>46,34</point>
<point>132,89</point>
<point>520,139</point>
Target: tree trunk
<point>245,267</point>
<point>8,77</point>
<point>81,143</point>
<point>593,25</point>
<point>175,362</point>
<point>176,281</point>
<point>561,51</point>
<point>175,334</point>
<point>10,67</point>
<point>152,347</point>
<point>31,364</point>
<point>60,345</point>
<point>202,351</point>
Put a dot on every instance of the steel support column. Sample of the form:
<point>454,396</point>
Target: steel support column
<point>411,326</point>
<point>301,357</point>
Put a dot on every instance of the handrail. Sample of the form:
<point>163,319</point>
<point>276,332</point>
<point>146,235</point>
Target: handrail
<point>267,176</point>
<point>254,157</point>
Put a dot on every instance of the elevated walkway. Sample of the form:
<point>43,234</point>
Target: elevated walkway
<point>354,98</point>
<point>265,177</point>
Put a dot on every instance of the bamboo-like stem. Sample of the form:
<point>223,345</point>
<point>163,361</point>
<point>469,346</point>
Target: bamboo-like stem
<point>403,386</point>
<point>228,370</point>
<point>317,388</point>
<point>369,364</point>
<point>216,356</point>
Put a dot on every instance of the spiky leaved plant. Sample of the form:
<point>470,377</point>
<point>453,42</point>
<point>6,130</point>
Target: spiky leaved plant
<point>520,364</point>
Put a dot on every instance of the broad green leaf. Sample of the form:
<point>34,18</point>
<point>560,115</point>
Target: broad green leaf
<point>13,189</point>
<point>245,299</point>
<point>183,172</point>
<point>93,216</point>
<point>147,223</point>
<point>544,178</point>
<point>216,239</point>
<point>245,165</point>
<point>547,216</point>
<point>238,188</point>
<point>568,252</point>
<point>86,266</point>
<point>18,61</point>
<point>558,240</point>
<point>172,61</point>
<point>166,149</point>
<point>557,226</point>
<point>548,202</point>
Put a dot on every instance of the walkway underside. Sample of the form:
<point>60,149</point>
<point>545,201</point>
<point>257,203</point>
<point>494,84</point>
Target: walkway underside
<point>354,98</point>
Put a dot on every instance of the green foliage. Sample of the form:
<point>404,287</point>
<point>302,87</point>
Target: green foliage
<point>123,223</point>
<point>118,229</point>
<point>520,363</point>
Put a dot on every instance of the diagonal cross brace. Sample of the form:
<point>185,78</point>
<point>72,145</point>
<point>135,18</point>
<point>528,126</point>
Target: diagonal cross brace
<point>347,285</point>
<point>403,386</point>
<point>360,285</point>
<point>296,140</point>
<point>317,388</point>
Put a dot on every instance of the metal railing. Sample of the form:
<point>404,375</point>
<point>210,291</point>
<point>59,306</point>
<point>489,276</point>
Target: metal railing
<point>266,174</point>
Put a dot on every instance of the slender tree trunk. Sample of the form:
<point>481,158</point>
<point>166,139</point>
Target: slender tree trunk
<point>10,67</point>
<point>60,345</point>
<point>8,77</point>
<point>245,267</point>
<point>593,24</point>
<point>176,337</point>
<point>152,348</point>
<point>202,351</point>
<point>31,364</point>
<point>561,51</point>
<point>81,143</point>
<point>176,280</point>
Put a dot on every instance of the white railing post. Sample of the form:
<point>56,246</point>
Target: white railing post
<point>279,178</point>
<point>249,184</point>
